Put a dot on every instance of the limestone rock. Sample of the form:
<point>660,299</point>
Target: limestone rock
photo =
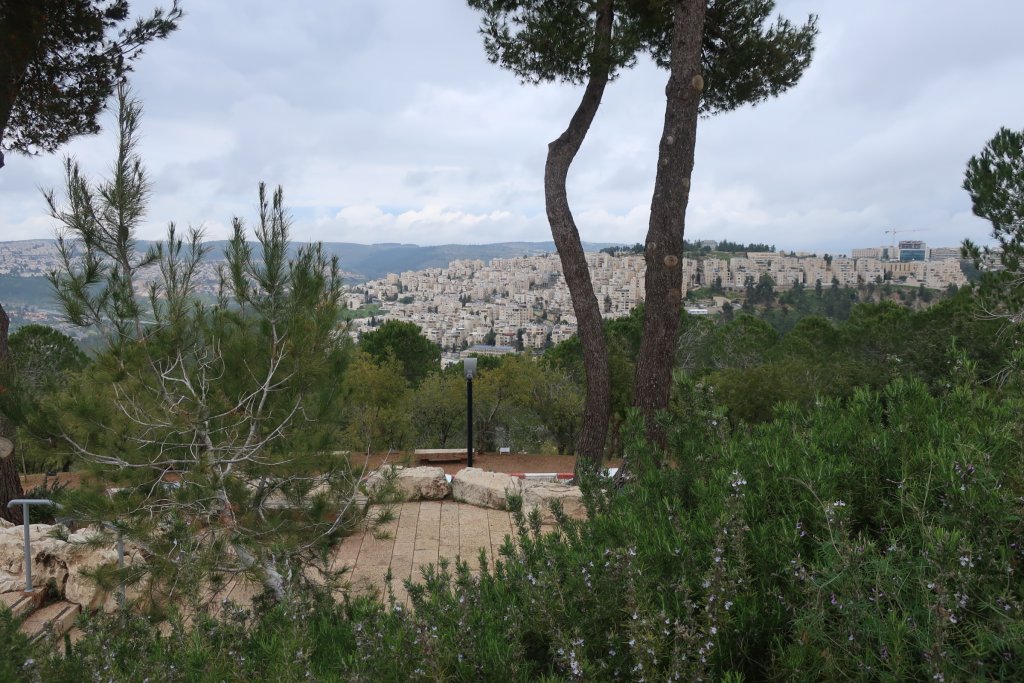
<point>484,489</point>
<point>414,483</point>
<point>82,590</point>
<point>374,480</point>
<point>47,558</point>
<point>63,561</point>
<point>423,483</point>
<point>539,494</point>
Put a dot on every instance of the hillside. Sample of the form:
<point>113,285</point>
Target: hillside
<point>371,261</point>
<point>359,262</point>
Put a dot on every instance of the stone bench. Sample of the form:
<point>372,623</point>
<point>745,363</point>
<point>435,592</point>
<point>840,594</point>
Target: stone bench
<point>440,454</point>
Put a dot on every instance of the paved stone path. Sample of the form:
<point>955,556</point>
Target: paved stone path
<point>421,534</point>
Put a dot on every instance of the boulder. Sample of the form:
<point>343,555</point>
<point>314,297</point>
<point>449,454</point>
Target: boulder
<point>484,489</point>
<point>414,483</point>
<point>65,562</point>
<point>539,494</point>
<point>48,560</point>
<point>82,590</point>
<point>423,483</point>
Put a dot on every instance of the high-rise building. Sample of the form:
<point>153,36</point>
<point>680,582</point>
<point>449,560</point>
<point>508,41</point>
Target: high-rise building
<point>913,250</point>
<point>943,253</point>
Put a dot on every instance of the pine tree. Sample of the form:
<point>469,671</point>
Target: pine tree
<point>59,62</point>
<point>995,181</point>
<point>214,423</point>
<point>720,56</point>
<point>10,482</point>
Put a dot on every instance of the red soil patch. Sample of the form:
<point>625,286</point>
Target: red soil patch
<point>72,479</point>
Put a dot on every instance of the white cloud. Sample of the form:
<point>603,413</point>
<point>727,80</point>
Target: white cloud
<point>433,224</point>
<point>384,122</point>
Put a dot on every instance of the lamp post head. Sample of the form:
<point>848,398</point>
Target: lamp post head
<point>469,367</point>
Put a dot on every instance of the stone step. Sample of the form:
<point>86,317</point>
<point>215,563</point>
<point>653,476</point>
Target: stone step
<point>53,620</point>
<point>19,602</point>
<point>75,634</point>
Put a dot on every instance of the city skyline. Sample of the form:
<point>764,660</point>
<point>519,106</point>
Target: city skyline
<point>525,297</point>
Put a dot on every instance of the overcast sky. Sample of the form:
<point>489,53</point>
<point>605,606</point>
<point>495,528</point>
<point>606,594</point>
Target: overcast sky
<point>384,122</point>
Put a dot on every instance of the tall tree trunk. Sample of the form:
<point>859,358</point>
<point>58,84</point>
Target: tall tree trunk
<point>561,153</point>
<point>664,248</point>
<point>21,29</point>
<point>10,483</point>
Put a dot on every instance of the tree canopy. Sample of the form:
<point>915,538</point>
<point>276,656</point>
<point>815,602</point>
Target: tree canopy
<point>995,181</point>
<point>60,61</point>
<point>405,342</point>
<point>743,59</point>
<point>42,354</point>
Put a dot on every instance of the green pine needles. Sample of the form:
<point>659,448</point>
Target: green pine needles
<point>208,420</point>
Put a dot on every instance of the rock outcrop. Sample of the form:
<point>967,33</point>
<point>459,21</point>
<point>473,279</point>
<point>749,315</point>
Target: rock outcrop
<point>539,494</point>
<point>64,562</point>
<point>483,488</point>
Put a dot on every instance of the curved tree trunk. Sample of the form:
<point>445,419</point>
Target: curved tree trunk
<point>561,153</point>
<point>664,248</point>
<point>10,483</point>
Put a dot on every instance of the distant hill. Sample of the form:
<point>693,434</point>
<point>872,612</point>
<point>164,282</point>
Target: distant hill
<point>371,261</point>
<point>377,260</point>
<point>23,263</point>
<point>25,291</point>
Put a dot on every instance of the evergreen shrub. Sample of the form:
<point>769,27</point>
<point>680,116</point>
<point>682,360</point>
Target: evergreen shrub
<point>878,538</point>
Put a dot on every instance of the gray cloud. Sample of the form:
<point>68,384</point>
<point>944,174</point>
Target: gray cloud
<point>384,122</point>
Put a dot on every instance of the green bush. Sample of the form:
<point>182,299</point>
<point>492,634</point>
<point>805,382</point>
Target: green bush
<point>878,538</point>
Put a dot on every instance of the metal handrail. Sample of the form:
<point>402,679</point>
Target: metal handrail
<point>120,562</point>
<point>25,503</point>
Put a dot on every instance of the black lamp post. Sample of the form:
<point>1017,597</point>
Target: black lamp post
<point>469,366</point>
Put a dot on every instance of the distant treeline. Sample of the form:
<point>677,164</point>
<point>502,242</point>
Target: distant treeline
<point>695,247</point>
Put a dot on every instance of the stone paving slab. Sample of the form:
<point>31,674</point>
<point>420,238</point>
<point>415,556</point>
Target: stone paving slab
<point>19,602</point>
<point>56,619</point>
<point>422,533</point>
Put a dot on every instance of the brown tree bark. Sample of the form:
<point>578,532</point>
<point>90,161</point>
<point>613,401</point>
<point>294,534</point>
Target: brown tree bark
<point>561,152</point>
<point>664,248</point>
<point>10,482</point>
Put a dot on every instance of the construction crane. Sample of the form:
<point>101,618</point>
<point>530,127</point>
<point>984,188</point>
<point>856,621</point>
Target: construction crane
<point>893,232</point>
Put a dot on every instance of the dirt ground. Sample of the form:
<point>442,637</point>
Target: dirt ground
<point>509,463</point>
<point>30,481</point>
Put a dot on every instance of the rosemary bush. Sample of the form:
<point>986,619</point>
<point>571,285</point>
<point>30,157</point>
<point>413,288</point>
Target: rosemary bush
<point>873,539</point>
